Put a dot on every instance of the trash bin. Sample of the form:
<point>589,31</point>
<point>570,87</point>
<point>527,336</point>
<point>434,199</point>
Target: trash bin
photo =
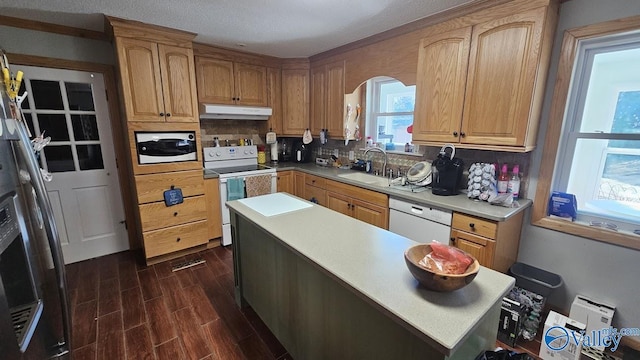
<point>533,286</point>
<point>534,279</point>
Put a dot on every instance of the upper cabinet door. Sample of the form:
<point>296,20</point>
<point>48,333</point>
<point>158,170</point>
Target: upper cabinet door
<point>215,81</point>
<point>274,85</point>
<point>250,84</point>
<point>504,62</point>
<point>295,101</point>
<point>178,83</point>
<point>318,100</point>
<point>442,74</point>
<point>141,79</point>
<point>335,111</point>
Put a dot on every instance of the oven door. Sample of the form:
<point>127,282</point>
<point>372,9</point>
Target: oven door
<point>226,217</point>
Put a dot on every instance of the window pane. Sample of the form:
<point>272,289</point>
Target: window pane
<point>393,129</point>
<point>89,157</point>
<point>84,127</point>
<point>54,125</point>
<point>59,158</point>
<point>395,97</point>
<point>612,103</point>
<point>47,95</point>
<point>606,179</point>
<point>80,96</point>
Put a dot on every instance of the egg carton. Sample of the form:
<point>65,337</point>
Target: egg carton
<point>481,181</point>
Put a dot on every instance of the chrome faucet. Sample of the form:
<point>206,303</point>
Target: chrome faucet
<point>384,165</point>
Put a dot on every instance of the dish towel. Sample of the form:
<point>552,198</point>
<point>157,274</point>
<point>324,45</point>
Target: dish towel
<point>235,189</point>
<point>258,185</point>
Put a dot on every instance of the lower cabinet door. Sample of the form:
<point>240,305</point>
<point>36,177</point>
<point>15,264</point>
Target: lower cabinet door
<point>315,194</point>
<point>481,248</point>
<point>338,202</point>
<point>175,238</point>
<point>157,215</point>
<point>369,213</point>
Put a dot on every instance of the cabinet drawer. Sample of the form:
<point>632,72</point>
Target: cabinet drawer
<point>311,180</point>
<point>151,187</point>
<point>157,215</point>
<point>474,225</point>
<point>315,192</point>
<point>168,240</point>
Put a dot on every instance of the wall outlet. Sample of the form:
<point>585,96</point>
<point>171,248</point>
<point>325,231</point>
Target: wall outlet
<point>336,152</point>
<point>352,155</point>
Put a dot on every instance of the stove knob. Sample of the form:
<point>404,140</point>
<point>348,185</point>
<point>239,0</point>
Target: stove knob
<point>218,153</point>
<point>251,152</point>
<point>246,152</point>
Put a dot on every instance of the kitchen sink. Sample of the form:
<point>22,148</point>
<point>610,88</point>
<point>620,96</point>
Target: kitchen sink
<point>366,178</point>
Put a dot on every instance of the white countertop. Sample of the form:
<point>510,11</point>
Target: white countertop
<point>370,261</point>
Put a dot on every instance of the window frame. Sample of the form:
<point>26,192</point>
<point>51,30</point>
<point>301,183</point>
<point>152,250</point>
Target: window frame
<point>555,127</point>
<point>374,113</point>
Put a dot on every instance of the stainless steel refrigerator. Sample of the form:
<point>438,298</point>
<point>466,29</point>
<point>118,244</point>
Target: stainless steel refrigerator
<point>35,321</point>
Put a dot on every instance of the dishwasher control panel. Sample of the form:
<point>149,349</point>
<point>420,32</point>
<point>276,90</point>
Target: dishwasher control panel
<point>423,211</point>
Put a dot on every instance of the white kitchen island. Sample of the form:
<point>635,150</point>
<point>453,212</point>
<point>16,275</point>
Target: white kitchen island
<point>332,287</point>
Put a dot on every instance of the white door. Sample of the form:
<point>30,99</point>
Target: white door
<point>71,107</point>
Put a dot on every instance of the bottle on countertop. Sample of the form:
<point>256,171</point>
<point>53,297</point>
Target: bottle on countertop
<point>514,182</point>
<point>369,142</point>
<point>503,180</point>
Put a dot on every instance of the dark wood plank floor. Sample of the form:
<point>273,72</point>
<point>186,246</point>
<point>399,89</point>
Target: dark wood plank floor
<point>123,309</point>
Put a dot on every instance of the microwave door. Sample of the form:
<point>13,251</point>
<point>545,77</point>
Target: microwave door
<point>44,218</point>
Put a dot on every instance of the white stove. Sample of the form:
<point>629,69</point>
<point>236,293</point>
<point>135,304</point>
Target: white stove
<point>232,162</point>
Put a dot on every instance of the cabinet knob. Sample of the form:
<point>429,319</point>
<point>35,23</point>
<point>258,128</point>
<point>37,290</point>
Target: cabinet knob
<point>348,206</point>
<point>178,240</point>
<point>472,225</point>
<point>462,134</point>
<point>175,213</point>
<point>161,114</point>
<point>453,240</point>
<point>455,133</point>
<point>169,114</point>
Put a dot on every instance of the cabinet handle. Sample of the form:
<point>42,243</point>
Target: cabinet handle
<point>178,240</point>
<point>168,114</point>
<point>462,134</point>
<point>175,213</point>
<point>348,206</point>
<point>453,240</point>
<point>472,225</point>
<point>161,114</point>
<point>455,133</point>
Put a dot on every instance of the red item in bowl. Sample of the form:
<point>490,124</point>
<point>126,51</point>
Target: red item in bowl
<point>446,259</point>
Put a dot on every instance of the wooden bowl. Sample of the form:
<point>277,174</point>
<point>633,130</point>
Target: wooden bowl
<point>433,280</point>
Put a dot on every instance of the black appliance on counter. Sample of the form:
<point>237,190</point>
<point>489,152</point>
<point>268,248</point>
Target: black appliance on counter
<point>301,152</point>
<point>446,172</point>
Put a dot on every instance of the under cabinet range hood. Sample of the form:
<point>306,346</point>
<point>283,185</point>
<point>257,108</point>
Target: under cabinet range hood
<point>234,112</point>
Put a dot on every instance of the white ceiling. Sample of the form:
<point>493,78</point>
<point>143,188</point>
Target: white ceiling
<point>282,28</point>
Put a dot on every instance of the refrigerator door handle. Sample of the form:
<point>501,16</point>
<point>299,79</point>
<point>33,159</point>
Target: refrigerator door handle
<point>52,232</point>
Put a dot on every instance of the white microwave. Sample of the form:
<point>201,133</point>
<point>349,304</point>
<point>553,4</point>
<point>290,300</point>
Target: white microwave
<point>165,147</point>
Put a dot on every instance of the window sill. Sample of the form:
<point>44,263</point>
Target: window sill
<point>609,236</point>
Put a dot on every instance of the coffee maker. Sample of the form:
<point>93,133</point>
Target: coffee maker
<point>446,172</point>
<point>301,152</point>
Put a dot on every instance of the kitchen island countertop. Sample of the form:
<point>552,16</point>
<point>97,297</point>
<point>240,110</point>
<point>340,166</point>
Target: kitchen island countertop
<point>369,261</point>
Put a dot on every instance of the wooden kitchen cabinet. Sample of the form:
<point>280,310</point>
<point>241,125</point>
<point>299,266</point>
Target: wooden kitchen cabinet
<point>315,189</point>
<point>158,81</point>
<point>226,82</point>
<point>285,182</point>
<point>214,212</point>
<point>494,243</point>
<point>492,97</point>
<point>298,184</point>
<point>295,101</point>
<point>274,99</point>
<point>327,106</point>
<point>369,206</point>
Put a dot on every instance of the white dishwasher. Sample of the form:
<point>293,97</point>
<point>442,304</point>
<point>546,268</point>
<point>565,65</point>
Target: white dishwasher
<point>419,222</point>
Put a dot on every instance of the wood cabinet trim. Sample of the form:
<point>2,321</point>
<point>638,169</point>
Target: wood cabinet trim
<point>222,53</point>
<point>138,30</point>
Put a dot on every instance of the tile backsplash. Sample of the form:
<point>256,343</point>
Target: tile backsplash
<point>233,130</point>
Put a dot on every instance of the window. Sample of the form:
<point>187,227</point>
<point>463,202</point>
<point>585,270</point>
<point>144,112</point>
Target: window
<point>594,134</point>
<point>391,111</point>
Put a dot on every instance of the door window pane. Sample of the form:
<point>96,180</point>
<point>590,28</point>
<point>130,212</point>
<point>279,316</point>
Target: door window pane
<point>84,127</point>
<point>47,95</point>
<point>90,157</point>
<point>55,125</point>
<point>59,158</point>
<point>80,96</point>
